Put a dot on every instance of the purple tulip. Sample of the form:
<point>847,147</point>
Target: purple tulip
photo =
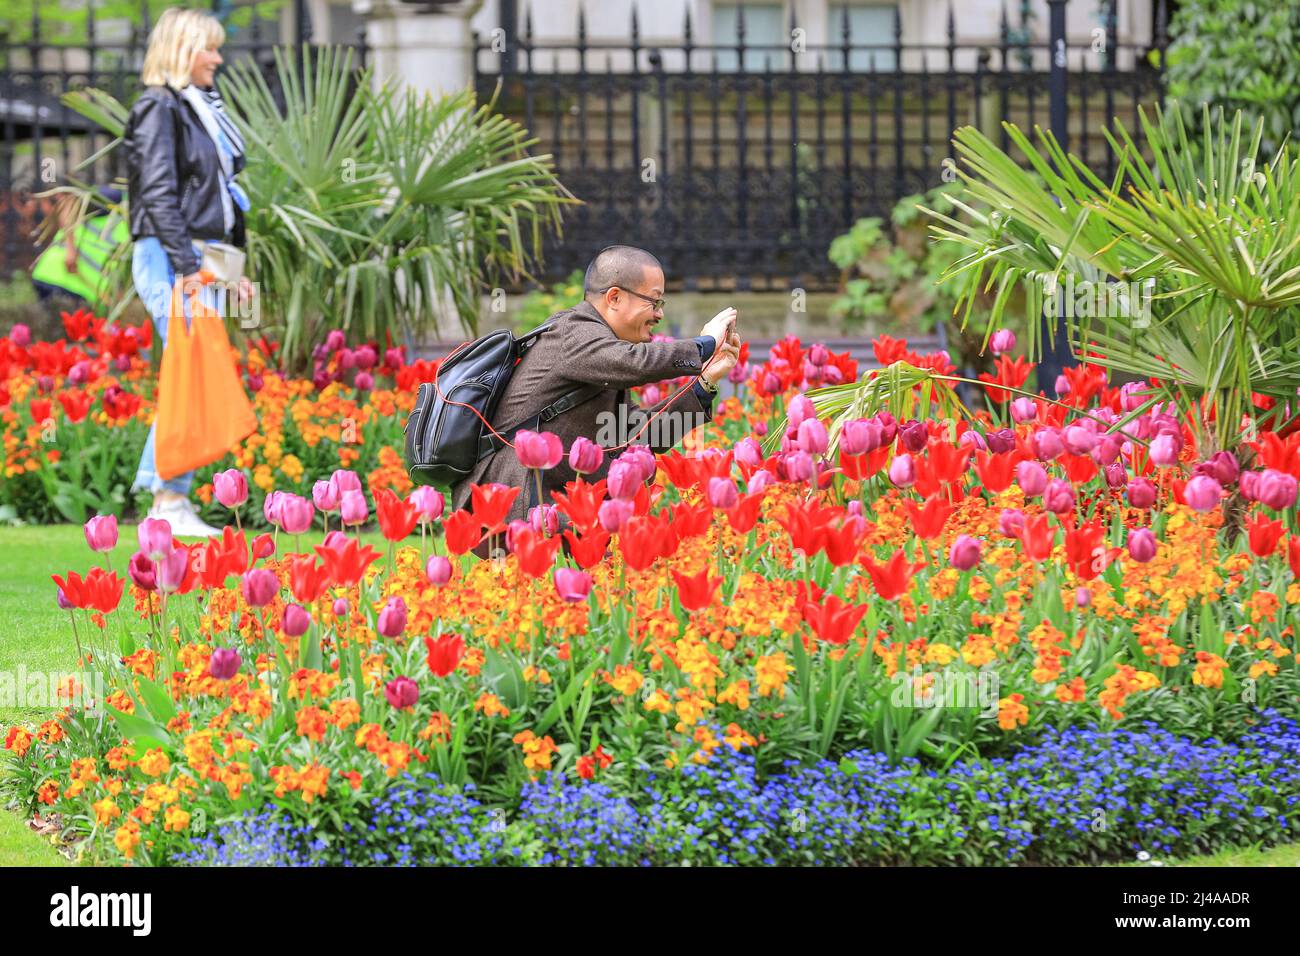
<point>438,570</point>
<point>1141,545</point>
<point>101,533</point>
<point>914,435</point>
<point>888,427</point>
<point>572,585</point>
<point>296,620</point>
<point>392,619</point>
<point>1202,493</point>
<point>973,439</point>
<point>141,570</point>
<point>1032,477</point>
<point>155,537</point>
<point>1058,496</point>
<point>585,456</point>
<point>62,601</point>
<point>1141,493</point>
<point>224,663</point>
<point>1001,441</point>
<point>230,487</point>
<point>1221,466</point>
<point>402,693</point>
<point>259,586</point>
<point>538,450</point>
<point>964,553</point>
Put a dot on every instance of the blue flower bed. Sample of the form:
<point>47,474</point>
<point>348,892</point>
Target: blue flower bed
<point>1076,796</point>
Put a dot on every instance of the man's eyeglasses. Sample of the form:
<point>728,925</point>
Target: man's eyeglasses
<point>656,304</point>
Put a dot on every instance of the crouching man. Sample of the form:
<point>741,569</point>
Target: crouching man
<point>605,341</point>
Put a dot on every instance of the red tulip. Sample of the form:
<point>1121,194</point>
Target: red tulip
<point>445,653</point>
<point>1037,537</point>
<point>1263,534</point>
<point>893,579</point>
<point>833,620</point>
<point>491,503</point>
<point>347,564</point>
<point>99,589</point>
<point>589,549</point>
<point>698,591</point>
<point>397,518</point>
<point>536,553</point>
<point>928,521</point>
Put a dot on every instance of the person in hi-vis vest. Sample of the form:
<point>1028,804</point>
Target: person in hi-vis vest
<point>72,265</point>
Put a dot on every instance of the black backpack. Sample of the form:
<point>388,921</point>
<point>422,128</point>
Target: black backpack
<point>445,441</point>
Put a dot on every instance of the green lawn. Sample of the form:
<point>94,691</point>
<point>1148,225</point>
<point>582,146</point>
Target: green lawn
<point>36,634</point>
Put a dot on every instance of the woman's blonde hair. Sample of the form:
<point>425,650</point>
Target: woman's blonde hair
<point>177,37</point>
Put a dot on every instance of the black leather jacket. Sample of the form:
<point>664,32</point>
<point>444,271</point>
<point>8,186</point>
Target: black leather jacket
<point>174,178</point>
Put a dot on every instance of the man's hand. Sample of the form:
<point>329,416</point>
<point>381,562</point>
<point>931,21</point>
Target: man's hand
<point>718,325</point>
<point>725,358</point>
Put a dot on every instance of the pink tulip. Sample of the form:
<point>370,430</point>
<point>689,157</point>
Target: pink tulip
<point>325,495</point>
<point>271,507</point>
<point>1047,444</point>
<point>366,357</point>
<point>155,537</point>
<point>722,492</point>
<point>296,620</point>
<point>798,466</point>
<point>759,480</point>
<point>970,438</point>
<point>1082,597</point>
<point>346,481</point>
<point>1276,489</point>
<point>438,570</point>
<point>296,513</point>
<point>1141,545</point>
<point>643,460</point>
<point>230,487</point>
<point>888,427</point>
<point>902,471</point>
<point>20,335</point>
<point>1202,493</point>
<point>572,585</point>
<point>101,533</point>
<point>538,450</point>
<point>1116,476</point>
<point>224,663</point>
<point>860,436</point>
<point>392,619</point>
<point>1032,477</point>
<point>1023,409</point>
<point>1164,449</point>
<point>749,452</point>
<point>340,607</point>
<point>544,519</point>
<point>429,502</point>
<point>801,409</point>
<point>624,480</point>
<point>585,456</point>
<point>1058,496</point>
<point>614,513</point>
<point>1062,386</point>
<point>1079,439</point>
<point>1011,522</point>
<point>402,693</point>
<point>353,507</point>
<point>1221,466</point>
<point>259,586</point>
<point>1003,340</point>
<point>513,530</point>
<point>812,436</point>
<point>364,381</point>
<point>171,569</point>
<point>964,553</point>
<point>1249,483</point>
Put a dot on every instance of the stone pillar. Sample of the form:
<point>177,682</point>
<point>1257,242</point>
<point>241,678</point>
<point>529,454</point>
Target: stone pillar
<point>428,46</point>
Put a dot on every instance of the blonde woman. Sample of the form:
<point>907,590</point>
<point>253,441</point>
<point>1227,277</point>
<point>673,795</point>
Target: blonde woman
<point>183,154</point>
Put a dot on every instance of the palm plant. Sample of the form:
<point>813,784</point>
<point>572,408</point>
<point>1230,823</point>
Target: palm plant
<point>372,211</point>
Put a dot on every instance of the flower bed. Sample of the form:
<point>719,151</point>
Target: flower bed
<point>898,592</point>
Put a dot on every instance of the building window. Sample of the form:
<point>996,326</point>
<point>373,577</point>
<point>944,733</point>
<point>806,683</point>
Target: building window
<point>765,31</point>
<point>871,35</point>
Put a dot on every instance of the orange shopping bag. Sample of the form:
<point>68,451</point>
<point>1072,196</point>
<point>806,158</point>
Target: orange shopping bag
<point>202,409</point>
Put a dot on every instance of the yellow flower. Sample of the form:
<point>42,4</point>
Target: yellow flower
<point>106,811</point>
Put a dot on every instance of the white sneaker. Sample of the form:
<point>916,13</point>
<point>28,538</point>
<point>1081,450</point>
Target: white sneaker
<point>184,521</point>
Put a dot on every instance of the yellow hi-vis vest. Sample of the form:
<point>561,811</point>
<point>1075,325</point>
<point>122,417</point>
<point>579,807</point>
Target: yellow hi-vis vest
<point>95,243</point>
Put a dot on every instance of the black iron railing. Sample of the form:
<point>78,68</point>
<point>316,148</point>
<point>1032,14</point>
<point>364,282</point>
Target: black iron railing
<point>740,162</point>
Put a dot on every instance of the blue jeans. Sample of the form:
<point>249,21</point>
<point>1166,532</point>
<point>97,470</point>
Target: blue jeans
<point>153,276</point>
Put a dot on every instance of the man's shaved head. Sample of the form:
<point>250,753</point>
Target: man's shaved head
<point>622,266</point>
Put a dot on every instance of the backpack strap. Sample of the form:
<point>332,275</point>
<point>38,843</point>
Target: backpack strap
<point>490,443</point>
